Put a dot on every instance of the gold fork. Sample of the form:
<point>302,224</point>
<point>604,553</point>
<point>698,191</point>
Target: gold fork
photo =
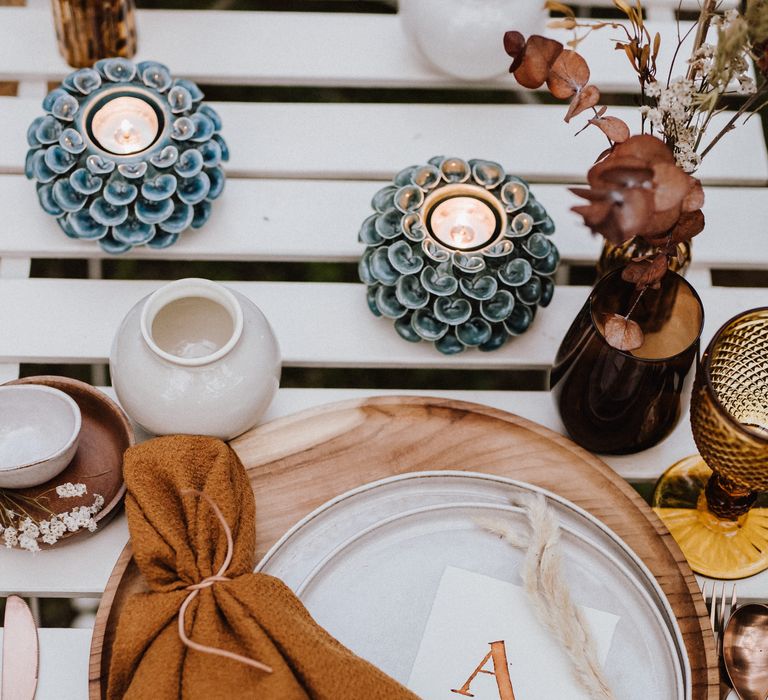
<point>720,606</point>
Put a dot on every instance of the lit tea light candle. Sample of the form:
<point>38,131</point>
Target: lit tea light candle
<point>463,223</point>
<point>125,125</point>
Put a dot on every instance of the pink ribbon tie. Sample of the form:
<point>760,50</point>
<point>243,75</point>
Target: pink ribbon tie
<point>195,588</point>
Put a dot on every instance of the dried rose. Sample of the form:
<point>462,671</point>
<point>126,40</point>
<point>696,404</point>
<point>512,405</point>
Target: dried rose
<point>638,190</point>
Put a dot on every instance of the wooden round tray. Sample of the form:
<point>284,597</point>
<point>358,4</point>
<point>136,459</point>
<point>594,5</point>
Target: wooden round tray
<point>297,463</point>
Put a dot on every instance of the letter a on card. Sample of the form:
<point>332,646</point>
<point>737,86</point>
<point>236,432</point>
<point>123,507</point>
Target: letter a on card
<point>498,656</point>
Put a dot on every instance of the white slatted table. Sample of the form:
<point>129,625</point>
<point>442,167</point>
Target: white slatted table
<point>300,182</point>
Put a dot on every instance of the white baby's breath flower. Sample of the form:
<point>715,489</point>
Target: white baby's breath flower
<point>69,522</point>
<point>98,503</point>
<point>747,85</point>
<point>70,490</point>
<point>91,525</point>
<point>29,543</point>
<point>10,537</point>
<point>653,89</point>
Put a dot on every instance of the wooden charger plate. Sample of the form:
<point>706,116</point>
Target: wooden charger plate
<point>297,463</point>
<point>105,434</point>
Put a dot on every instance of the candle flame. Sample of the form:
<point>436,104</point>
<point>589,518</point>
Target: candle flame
<point>126,133</point>
<point>462,234</point>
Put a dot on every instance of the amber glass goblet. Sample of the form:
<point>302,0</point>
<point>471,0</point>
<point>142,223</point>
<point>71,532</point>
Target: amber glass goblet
<point>711,503</point>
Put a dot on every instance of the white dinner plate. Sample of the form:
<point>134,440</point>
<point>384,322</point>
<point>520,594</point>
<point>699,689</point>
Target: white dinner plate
<point>368,564</point>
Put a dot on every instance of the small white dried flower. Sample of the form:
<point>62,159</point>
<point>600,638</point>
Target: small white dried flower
<point>29,543</point>
<point>747,85</point>
<point>26,533</point>
<point>69,522</point>
<point>70,490</point>
<point>10,537</point>
<point>653,89</point>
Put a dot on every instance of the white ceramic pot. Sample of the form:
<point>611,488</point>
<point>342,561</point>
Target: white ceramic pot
<point>195,357</point>
<point>465,38</point>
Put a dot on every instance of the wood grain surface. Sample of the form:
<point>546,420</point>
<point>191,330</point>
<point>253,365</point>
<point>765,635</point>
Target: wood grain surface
<point>297,463</point>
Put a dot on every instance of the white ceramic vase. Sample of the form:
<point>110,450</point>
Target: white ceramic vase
<point>195,357</point>
<point>464,38</point>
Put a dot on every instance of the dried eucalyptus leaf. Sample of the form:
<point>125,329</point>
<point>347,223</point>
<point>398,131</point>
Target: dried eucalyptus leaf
<point>622,333</point>
<point>613,127</point>
<point>585,98</point>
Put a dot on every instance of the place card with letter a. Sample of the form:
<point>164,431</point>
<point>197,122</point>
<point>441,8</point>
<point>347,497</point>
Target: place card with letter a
<point>483,641</point>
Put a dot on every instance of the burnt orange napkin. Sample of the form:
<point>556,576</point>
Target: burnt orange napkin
<point>177,542</point>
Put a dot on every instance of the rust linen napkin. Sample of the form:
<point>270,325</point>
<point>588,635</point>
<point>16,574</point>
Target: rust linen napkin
<point>177,542</point>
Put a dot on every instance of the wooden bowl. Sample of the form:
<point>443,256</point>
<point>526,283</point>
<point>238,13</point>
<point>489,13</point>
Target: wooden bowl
<point>105,434</point>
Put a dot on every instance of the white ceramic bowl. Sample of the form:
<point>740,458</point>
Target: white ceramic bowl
<point>39,433</point>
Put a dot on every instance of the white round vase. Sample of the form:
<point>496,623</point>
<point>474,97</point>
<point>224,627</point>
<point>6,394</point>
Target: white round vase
<point>196,358</point>
<point>465,38</point>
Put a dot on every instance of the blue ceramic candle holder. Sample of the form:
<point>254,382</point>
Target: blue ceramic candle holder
<point>458,254</point>
<point>127,155</point>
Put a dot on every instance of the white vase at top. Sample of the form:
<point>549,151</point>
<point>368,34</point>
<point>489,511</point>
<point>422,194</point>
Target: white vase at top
<point>464,38</point>
<point>195,357</point>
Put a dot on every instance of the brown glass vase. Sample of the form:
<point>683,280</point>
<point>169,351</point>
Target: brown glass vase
<point>89,30</point>
<point>613,256</point>
<point>619,402</point>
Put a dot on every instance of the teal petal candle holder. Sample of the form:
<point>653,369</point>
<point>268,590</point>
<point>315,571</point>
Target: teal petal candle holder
<point>458,253</point>
<point>126,155</point>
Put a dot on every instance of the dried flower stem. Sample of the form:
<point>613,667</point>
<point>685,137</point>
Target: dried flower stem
<point>702,29</point>
<point>635,303</point>
<point>732,121</point>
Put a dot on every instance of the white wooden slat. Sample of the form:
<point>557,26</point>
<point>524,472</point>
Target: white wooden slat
<point>8,372</point>
<point>63,665</point>
<point>373,141</point>
<point>260,220</point>
<point>14,267</point>
<point>79,568</point>
<point>62,571</point>
<point>291,48</point>
<point>80,317</point>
